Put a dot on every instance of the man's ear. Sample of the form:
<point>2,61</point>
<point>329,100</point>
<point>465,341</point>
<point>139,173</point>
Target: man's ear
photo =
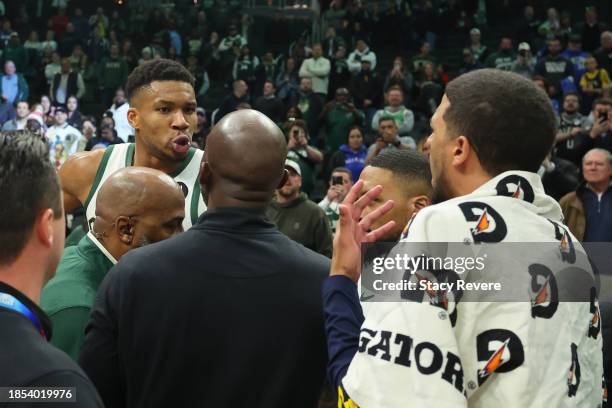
<point>462,149</point>
<point>124,228</point>
<point>44,228</point>
<point>419,202</point>
<point>133,117</point>
<point>284,178</point>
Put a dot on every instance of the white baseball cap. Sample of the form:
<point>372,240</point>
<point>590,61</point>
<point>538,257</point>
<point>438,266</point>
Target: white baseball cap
<point>524,46</point>
<point>293,166</point>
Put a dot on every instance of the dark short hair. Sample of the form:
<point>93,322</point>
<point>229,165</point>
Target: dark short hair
<point>343,170</point>
<point>156,70</point>
<point>385,118</point>
<point>602,101</point>
<point>409,167</point>
<point>508,120</point>
<point>571,93</point>
<point>28,185</point>
<point>359,128</point>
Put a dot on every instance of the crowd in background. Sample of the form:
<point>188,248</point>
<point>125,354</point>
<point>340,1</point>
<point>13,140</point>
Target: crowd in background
<point>367,80</point>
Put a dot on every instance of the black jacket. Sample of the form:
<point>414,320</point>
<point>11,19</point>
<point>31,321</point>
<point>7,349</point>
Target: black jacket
<point>227,314</point>
<point>28,360</point>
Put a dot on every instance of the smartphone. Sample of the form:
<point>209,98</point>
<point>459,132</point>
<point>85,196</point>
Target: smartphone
<point>337,180</point>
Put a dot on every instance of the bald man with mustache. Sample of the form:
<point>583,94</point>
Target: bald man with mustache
<point>135,206</point>
<point>228,314</point>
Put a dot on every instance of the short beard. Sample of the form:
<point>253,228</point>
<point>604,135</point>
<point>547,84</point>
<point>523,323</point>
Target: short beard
<point>441,191</point>
<point>287,194</point>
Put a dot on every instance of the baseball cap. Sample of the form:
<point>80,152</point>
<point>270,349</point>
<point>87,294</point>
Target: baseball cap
<point>524,47</point>
<point>293,166</point>
<point>474,31</point>
<point>61,109</point>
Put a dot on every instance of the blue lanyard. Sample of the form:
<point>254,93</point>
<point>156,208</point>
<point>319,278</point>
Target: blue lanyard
<point>12,303</point>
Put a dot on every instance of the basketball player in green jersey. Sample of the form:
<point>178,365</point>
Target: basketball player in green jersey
<point>163,114</point>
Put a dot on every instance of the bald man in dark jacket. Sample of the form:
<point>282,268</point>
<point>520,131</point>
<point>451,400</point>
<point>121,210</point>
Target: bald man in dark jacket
<point>227,314</point>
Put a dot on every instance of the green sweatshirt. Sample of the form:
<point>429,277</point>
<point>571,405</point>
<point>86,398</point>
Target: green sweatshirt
<point>113,73</point>
<point>303,221</point>
<point>68,297</point>
<point>338,121</point>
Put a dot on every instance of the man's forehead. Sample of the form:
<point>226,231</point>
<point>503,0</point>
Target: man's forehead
<point>169,90</point>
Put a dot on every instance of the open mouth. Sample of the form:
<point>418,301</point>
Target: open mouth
<point>180,144</point>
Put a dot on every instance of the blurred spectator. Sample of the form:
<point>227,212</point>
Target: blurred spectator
<point>106,137</point>
<point>117,24</point>
<point>19,122</point>
<point>202,129</point>
<point>366,89</point>
<point>591,29</point>
<point>13,87</point>
<point>302,153</point>
<point>202,83</point>
<point>299,218</point>
<point>340,75</point>
<point>118,100</point>
<point>604,53</point>
<point>403,117</point>
<point>292,114</point>
<point>49,42</point>
<point>552,25</point>
<point>33,43</point>
<point>233,39</point>
<point>299,50</point>
<point>340,183</point>
<point>230,103</point>
<point>388,139</point>
<point>53,67</point>
<point>431,89</point>
<point>424,56</point>
<point>504,57</point>
<point>269,104</point>
<point>525,62</point>
<point>338,116</point>
<point>81,23</point>
<point>15,52</point>
<point>478,49</point>
<point>35,124</point>
<point>245,65</point>
<point>5,32</point>
<point>588,210</point>
<point>78,59</point>
<point>63,138</point>
<point>572,140</point>
<point>593,82</point>
<point>119,110</point>
<point>287,80</point>
<point>362,53</point>
<point>601,130</point>
<point>74,116</point>
<point>129,54</point>
<point>47,110</point>
<point>469,62</point>
<point>317,69</point>
<point>332,43</point>
<point>7,111</point>
<point>333,16</point>
<point>554,67</point>
<point>351,155</point>
<point>559,176</point>
<point>66,83</point>
<point>59,21</point>
<point>266,71</point>
<point>310,105</point>
<point>576,56</point>
<point>98,23</point>
<point>566,28</point>
<point>97,46</point>
<point>401,77</point>
<point>88,129</point>
<point>68,40</point>
<point>113,74</point>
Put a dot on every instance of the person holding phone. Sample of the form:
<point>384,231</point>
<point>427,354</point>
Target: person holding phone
<point>302,153</point>
<point>340,183</point>
<point>601,131</point>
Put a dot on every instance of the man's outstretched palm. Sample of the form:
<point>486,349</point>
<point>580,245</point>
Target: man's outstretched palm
<point>352,230</point>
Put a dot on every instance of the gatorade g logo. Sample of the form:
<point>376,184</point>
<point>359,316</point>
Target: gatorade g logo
<point>595,322</point>
<point>566,245</point>
<point>184,188</point>
<point>544,292</point>
<point>488,225</point>
<point>515,186</point>
<point>499,351</point>
<point>573,377</point>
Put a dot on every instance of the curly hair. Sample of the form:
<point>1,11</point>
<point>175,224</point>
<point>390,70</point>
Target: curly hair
<point>157,70</point>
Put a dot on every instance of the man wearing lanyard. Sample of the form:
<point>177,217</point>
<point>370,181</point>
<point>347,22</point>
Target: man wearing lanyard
<point>31,244</point>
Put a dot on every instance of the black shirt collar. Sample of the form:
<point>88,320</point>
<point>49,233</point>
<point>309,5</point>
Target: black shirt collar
<point>234,218</point>
<point>42,317</point>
